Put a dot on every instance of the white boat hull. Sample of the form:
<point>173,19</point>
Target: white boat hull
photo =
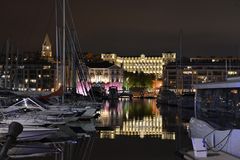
<point>31,133</point>
<point>224,140</point>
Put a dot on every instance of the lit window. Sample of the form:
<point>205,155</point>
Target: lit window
<point>33,89</point>
<point>234,91</point>
<point>187,72</point>
<point>33,80</point>
<point>46,75</point>
<point>46,67</point>
<point>232,72</point>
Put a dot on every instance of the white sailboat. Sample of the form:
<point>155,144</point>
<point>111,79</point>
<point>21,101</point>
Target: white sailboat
<point>28,112</point>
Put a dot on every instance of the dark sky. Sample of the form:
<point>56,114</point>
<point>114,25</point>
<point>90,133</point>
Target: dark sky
<point>130,27</point>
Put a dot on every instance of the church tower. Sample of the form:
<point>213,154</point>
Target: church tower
<point>46,48</point>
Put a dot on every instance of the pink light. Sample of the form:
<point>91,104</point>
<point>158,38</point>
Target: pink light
<point>113,84</point>
<point>81,89</point>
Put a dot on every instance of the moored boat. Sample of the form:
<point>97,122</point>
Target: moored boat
<point>220,128</point>
<point>167,97</point>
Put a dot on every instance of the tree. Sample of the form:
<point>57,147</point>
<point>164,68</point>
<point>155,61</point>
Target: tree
<point>140,80</point>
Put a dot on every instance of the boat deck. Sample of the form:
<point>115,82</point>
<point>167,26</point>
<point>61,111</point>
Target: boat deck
<point>210,156</point>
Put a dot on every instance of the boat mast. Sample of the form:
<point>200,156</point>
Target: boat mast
<point>179,77</point>
<point>16,81</point>
<point>63,52</point>
<point>179,108</point>
<point>74,67</point>
<point>6,63</point>
<point>180,59</point>
<point>226,68</point>
<point>57,67</point>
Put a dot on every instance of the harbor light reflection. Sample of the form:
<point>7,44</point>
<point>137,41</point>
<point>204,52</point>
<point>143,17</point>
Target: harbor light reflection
<point>138,118</point>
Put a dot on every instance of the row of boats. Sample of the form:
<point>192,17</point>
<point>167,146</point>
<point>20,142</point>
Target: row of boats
<point>167,97</point>
<point>47,122</point>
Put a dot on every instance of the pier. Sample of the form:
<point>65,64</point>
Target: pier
<point>210,156</point>
<point>125,94</point>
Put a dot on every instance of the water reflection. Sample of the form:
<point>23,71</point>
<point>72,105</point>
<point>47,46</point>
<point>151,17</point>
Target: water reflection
<point>139,118</point>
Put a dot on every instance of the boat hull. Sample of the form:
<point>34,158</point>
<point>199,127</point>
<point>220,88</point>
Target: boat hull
<point>224,140</point>
<point>31,133</point>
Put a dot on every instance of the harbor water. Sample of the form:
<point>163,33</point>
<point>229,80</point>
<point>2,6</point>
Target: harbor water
<point>139,129</point>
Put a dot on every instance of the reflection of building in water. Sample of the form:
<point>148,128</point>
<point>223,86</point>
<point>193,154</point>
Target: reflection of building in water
<point>148,126</point>
<point>111,115</point>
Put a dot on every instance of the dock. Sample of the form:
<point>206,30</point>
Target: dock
<point>189,155</point>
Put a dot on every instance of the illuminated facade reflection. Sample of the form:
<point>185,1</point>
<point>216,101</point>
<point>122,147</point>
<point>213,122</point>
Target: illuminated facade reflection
<point>133,119</point>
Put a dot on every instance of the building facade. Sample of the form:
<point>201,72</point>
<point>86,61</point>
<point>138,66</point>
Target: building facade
<point>142,63</point>
<point>105,73</point>
<point>199,70</point>
<point>46,52</point>
<point>28,71</point>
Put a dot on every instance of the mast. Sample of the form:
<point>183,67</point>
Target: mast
<point>226,68</point>
<point>180,62</point>
<point>179,107</point>
<point>179,77</point>
<point>57,67</point>
<point>64,50</point>
<point>6,63</point>
<point>16,81</point>
<point>74,68</point>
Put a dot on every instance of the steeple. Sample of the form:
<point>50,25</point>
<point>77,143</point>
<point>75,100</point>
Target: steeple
<point>46,48</point>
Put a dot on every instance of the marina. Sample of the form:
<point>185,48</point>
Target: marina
<point>135,123</point>
<point>88,128</point>
<point>119,80</point>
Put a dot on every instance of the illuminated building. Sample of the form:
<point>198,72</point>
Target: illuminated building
<point>142,63</point>
<point>46,52</point>
<point>28,71</point>
<point>105,73</point>
<point>30,76</point>
<point>199,70</point>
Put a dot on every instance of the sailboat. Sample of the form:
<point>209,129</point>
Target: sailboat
<point>31,113</point>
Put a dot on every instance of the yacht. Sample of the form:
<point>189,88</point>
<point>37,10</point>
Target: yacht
<point>30,113</point>
<point>186,100</point>
<point>217,116</point>
<point>167,97</point>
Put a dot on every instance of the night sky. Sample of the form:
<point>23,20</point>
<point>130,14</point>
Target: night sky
<point>130,27</point>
